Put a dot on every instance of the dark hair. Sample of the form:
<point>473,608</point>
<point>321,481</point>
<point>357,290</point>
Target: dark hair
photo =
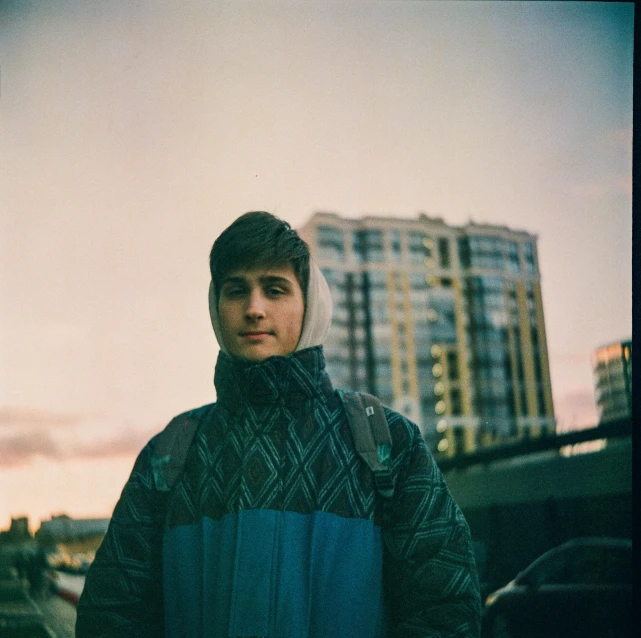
<point>258,239</point>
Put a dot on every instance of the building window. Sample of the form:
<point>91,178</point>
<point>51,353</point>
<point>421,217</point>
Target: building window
<point>452,366</point>
<point>455,401</point>
<point>464,252</point>
<point>486,252</point>
<point>419,247</point>
<point>530,262</point>
<point>385,390</point>
<point>531,305</point>
<point>459,439</point>
<point>368,245</point>
<point>513,263</point>
<point>395,241</point>
<point>540,399</point>
<point>330,243</point>
<point>442,315</point>
<point>418,281</point>
<point>444,252</point>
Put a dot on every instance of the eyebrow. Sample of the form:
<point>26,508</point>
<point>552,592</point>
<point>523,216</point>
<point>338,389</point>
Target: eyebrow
<point>264,280</point>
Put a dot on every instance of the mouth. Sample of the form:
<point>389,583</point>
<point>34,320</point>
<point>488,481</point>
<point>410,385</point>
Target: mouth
<point>254,335</point>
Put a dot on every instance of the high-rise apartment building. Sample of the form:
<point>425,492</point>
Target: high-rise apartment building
<point>442,323</point>
<point>613,380</point>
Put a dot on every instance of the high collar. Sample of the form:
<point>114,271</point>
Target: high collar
<point>289,381</point>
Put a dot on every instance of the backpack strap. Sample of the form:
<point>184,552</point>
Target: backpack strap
<point>372,438</point>
<point>171,449</point>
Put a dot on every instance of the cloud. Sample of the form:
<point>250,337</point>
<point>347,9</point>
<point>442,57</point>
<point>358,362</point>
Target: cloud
<point>28,434</point>
<point>125,444</point>
<point>30,417</point>
<point>17,450</point>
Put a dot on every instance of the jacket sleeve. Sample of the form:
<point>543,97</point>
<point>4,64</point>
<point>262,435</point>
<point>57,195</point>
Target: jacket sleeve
<point>123,589</point>
<point>431,582</point>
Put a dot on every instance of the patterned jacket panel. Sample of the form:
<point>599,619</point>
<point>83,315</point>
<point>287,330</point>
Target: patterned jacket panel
<point>274,458</point>
<point>123,594</point>
<point>430,577</point>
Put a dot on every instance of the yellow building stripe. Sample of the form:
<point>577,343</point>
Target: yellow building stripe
<point>412,371</point>
<point>543,351</point>
<point>397,379</point>
<point>461,350</point>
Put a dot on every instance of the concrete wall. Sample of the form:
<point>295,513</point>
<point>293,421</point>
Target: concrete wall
<point>519,509</point>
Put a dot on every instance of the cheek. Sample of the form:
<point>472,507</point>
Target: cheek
<point>226,316</point>
<point>296,321</point>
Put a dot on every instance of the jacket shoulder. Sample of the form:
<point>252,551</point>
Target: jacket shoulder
<point>194,415</point>
<point>404,432</point>
<point>172,445</point>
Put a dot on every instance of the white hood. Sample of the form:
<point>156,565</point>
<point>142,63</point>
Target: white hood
<point>318,311</point>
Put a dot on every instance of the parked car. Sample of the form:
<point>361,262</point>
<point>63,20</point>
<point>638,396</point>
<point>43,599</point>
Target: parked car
<point>582,588</point>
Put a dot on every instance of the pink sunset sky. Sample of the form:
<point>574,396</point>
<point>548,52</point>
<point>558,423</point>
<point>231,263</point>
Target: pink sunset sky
<point>133,133</point>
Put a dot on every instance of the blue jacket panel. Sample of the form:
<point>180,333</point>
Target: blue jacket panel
<point>269,573</point>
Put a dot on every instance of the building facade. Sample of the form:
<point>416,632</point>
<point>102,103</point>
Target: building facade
<point>442,323</point>
<point>612,366</point>
<point>65,528</point>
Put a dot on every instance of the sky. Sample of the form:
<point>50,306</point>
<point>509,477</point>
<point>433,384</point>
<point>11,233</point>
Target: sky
<point>133,133</point>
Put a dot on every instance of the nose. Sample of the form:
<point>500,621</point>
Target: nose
<point>255,305</point>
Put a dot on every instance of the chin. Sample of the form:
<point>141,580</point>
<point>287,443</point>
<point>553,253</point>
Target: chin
<point>254,356</point>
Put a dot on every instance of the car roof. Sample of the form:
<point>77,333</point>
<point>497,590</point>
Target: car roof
<point>593,541</point>
<point>583,541</point>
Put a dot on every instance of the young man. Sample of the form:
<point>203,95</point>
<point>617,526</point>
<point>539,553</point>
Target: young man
<point>274,525</point>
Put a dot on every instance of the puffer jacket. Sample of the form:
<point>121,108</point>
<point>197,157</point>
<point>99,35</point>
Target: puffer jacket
<point>275,527</point>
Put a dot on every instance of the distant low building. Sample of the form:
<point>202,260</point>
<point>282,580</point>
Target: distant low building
<point>18,532</point>
<point>612,366</point>
<point>65,528</point>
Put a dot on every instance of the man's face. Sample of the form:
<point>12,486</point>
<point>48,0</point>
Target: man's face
<point>261,312</point>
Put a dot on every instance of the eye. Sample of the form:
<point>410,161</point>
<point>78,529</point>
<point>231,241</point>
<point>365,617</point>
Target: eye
<point>275,292</point>
<point>235,291</point>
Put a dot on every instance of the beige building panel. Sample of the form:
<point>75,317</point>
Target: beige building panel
<point>528,355</point>
<point>412,371</point>
<point>461,350</point>
<point>520,409</point>
<point>451,446</point>
<point>469,440</point>
<point>543,351</point>
<point>513,348</point>
<point>397,378</point>
<point>526,350</point>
